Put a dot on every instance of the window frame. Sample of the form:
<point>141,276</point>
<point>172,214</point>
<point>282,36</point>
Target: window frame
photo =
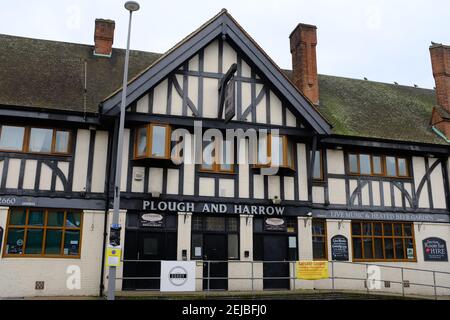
<point>269,153</point>
<point>27,136</point>
<point>393,237</point>
<point>383,165</point>
<point>149,142</point>
<point>216,167</point>
<point>44,228</point>
<point>325,236</point>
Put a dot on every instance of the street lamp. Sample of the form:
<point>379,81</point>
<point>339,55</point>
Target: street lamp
<point>130,6</point>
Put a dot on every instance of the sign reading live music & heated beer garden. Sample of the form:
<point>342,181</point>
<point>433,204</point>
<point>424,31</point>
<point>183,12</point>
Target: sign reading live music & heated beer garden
<point>434,249</point>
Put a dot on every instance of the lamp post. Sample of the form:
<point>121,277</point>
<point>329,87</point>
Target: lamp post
<point>130,6</point>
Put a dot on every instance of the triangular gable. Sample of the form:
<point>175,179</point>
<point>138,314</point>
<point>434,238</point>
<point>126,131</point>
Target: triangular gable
<point>221,24</point>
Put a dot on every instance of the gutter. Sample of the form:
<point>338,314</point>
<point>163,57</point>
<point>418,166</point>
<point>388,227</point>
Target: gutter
<point>440,134</point>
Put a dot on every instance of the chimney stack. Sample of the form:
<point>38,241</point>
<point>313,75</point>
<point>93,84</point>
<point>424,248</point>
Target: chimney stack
<point>440,61</point>
<point>104,37</point>
<point>304,64</point>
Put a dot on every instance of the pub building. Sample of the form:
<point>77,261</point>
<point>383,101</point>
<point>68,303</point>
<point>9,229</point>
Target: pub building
<point>362,166</point>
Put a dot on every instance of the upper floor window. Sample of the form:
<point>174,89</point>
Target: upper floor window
<point>152,141</point>
<point>217,157</point>
<point>317,173</point>
<point>43,233</point>
<point>378,165</point>
<point>34,140</point>
<point>273,151</point>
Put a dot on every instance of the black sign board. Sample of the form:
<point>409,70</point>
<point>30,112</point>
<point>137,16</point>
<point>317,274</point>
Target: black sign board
<point>339,248</point>
<point>154,220</point>
<point>434,249</point>
<point>275,224</point>
<point>229,100</point>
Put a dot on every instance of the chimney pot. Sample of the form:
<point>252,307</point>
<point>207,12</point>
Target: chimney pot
<point>303,41</point>
<point>104,37</point>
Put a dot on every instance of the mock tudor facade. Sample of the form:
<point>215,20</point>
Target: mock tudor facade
<point>358,161</point>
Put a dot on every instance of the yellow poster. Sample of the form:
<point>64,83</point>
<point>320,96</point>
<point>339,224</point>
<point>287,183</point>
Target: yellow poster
<point>312,270</point>
<point>113,255</point>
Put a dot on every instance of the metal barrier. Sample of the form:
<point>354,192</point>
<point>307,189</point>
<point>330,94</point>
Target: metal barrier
<point>333,276</point>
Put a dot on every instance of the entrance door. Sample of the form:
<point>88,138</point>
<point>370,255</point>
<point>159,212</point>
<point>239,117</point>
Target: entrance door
<point>215,249</point>
<point>142,246</point>
<point>275,249</point>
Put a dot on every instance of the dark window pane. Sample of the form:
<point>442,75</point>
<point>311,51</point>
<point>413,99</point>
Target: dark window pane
<point>171,221</point>
<point>318,247</point>
<point>368,251</point>
<point>257,225</point>
<point>233,224</point>
<point>159,141</point>
<point>11,138</point>
<point>364,161</point>
<point>41,140</point>
<point>197,244</point>
<point>407,230</point>
<point>233,246</point>
<point>53,242</point>
<point>397,229</point>
<point>389,249</point>
<point>318,227</point>
<point>55,218</point>
<point>356,228</point>
<point>215,223</point>
<point>73,220</point>
<point>317,173</point>
<point>141,146</point>
<point>353,163</point>
<point>357,248</point>
<point>391,169</point>
<point>387,227</point>
<point>367,229</point>
<point>15,241</point>
<point>377,229</point>
<point>34,241</point>
<point>71,242</point>
<point>36,218</point>
<point>376,165</point>
<point>197,222</point>
<point>402,167</point>
<point>17,217</point>
<point>150,246</point>
<point>62,141</point>
<point>378,248</point>
<point>399,253</point>
<point>257,247</point>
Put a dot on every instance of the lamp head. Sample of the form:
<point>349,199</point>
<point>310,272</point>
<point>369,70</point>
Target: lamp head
<point>132,6</point>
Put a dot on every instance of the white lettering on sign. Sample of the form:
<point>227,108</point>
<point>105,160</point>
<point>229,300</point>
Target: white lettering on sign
<point>175,206</point>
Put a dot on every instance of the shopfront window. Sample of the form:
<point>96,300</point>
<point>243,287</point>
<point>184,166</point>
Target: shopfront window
<point>319,239</point>
<point>380,241</point>
<point>43,233</point>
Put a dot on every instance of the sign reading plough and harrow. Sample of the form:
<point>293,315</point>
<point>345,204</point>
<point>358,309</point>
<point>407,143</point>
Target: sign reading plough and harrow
<point>311,270</point>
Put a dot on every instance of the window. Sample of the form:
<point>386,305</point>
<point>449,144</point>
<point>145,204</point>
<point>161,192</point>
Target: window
<point>318,166</point>
<point>34,140</point>
<point>275,151</point>
<point>377,165</point>
<point>319,239</point>
<point>212,152</point>
<point>378,241</point>
<point>152,141</point>
<point>43,233</point>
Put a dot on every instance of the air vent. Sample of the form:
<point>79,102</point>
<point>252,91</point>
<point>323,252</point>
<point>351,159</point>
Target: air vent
<point>39,285</point>
<point>387,284</point>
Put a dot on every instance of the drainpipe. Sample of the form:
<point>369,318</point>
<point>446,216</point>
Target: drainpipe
<point>105,220</point>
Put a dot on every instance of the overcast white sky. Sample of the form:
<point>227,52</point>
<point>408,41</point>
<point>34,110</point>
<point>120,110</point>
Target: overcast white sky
<point>382,40</point>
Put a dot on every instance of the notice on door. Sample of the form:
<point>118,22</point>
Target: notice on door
<point>177,276</point>
<point>311,270</point>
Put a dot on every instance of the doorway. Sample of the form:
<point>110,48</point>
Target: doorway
<point>275,249</point>
<point>214,251</point>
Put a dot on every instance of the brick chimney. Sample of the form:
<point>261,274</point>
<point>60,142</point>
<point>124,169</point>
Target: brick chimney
<point>440,61</point>
<point>304,65</point>
<point>104,37</point>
